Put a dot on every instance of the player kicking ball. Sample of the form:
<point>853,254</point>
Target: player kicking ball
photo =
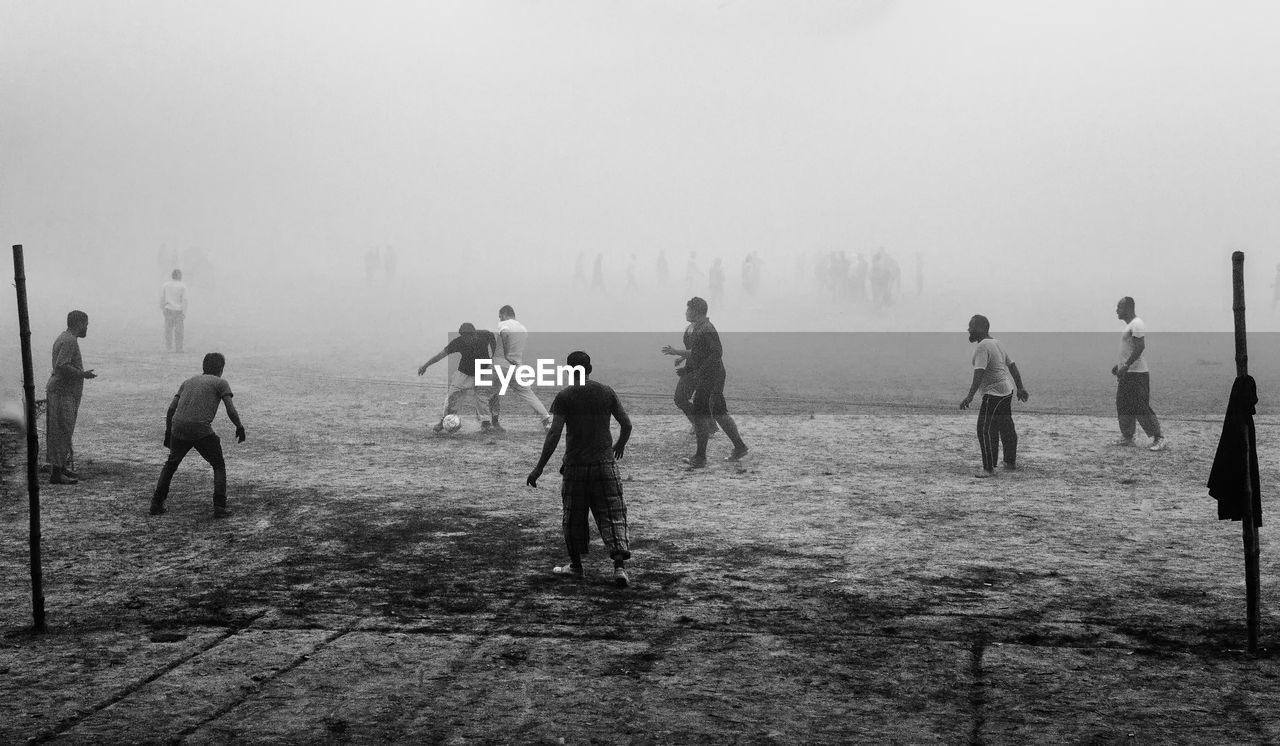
<point>590,470</point>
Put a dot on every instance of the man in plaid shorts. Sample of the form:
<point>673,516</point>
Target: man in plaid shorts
<point>590,469</point>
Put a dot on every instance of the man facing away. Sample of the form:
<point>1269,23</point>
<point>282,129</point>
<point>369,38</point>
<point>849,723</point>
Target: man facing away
<point>704,375</point>
<point>590,471</point>
<point>997,376</point>
<point>512,337</point>
<point>471,345</point>
<point>189,424</point>
<point>1133,380</point>
<point>64,390</point>
<point>173,304</point>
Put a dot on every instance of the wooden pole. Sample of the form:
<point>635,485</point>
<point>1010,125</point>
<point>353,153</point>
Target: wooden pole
<point>1250,531</point>
<point>33,441</point>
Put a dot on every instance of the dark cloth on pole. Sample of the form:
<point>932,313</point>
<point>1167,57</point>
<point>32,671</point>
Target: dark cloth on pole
<point>1227,477</point>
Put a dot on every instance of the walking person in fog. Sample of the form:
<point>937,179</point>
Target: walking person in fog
<point>996,375</point>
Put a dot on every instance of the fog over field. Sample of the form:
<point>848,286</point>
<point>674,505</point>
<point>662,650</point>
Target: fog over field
<point>1029,161</point>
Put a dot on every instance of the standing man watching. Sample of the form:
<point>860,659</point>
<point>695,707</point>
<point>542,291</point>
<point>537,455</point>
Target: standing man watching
<point>64,390</point>
<point>997,376</point>
<point>590,470</point>
<point>704,361</point>
<point>1133,380</point>
<point>512,337</point>
<point>173,303</point>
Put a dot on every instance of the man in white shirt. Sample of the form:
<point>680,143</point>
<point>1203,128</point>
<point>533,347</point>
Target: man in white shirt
<point>997,376</point>
<point>512,338</point>
<point>1133,389</point>
<point>173,303</point>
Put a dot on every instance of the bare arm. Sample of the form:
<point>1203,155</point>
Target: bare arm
<point>232,414</point>
<point>549,445</point>
<point>441,355</point>
<point>1017,381</point>
<point>1139,344</point>
<point>978,374</point>
<point>624,434</point>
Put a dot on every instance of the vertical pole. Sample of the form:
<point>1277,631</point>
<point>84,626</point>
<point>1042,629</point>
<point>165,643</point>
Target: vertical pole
<point>1250,531</point>
<point>33,441</point>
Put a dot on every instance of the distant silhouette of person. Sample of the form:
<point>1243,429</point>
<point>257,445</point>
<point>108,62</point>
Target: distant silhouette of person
<point>632,284</point>
<point>751,273</point>
<point>1133,380</point>
<point>597,274</point>
<point>389,263</point>
<point>704,374</point>
<point>173,304</point>
<point>715,280</point>
<point>692,275</point>
<point>996,375</point>
<point>63,392</point>
<point>189,424</point>
<point>591,483</point>
<point>199,271</point>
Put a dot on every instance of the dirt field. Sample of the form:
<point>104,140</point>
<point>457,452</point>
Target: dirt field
<point>849,582</point>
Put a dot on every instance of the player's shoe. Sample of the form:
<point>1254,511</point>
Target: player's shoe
<point>157,506</point>
<point>737,455</point>
<point>694,462</point>
<point>620,578</point>
<point>570,571</point>
<point>439,428</point>
<point>1158,444</point>
<point>1124,443</point>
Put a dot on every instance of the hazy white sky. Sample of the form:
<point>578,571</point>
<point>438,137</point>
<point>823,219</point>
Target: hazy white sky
<point>1042,157</point>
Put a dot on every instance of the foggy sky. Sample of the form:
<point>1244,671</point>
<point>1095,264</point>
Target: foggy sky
<point>1042,158</point>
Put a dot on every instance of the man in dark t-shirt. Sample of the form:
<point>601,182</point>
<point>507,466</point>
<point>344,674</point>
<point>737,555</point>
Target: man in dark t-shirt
<point>700,393</point>
<point>189,424</point>
<point>591,482</point>
<point>470,345</point>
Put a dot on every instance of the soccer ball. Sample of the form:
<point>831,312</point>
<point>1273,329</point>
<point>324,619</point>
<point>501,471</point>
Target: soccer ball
<point>452,423</point>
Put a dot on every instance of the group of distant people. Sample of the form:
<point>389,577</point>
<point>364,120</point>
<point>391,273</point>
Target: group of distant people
<point>997,377</point>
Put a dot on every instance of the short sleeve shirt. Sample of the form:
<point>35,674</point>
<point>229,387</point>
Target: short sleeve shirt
<point>706,353</point>
<point>512,337</point>
<point>66,353</point>
<point>198,400</point>
<point>586,410</point>
<point>1135,329</point>
<point>991,358</point>
<point>471,347</point>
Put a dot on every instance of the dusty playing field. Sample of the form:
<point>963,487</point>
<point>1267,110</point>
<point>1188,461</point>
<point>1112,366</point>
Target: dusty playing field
<point>849,581</point>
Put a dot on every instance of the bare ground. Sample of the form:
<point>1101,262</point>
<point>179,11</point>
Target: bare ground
<point>849,581</point>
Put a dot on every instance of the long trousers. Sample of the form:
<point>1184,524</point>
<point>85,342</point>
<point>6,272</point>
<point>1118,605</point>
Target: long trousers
<point>210,447</point>
<point>995,425</point>
<point>1133,405</point>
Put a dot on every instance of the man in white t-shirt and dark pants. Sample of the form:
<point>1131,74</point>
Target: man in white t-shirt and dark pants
<point>173,303</point>
<point>512,337</point>
<point>997,376</point>
<point>1133,389</point>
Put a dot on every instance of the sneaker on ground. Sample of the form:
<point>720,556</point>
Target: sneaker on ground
<point>620,578</point>
<point>694,462</point>
<point>573,571</point>
<point>737,454</point>
<point>1157,445</point>
<point>1125,443</point>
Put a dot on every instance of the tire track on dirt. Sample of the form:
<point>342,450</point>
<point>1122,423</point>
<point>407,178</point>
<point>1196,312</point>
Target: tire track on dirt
<point>67,724</point>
